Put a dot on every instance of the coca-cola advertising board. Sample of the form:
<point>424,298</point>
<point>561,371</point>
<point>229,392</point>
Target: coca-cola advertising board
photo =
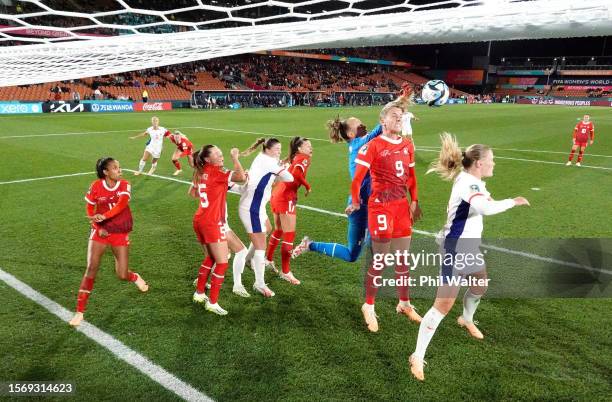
<point>152,106</point>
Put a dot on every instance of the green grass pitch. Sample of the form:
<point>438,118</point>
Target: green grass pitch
<point>308,342</point>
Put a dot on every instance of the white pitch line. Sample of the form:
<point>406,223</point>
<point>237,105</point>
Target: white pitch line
<point>524,160</point>
<point>116,347</point>
<point>431,234</point>
<point>524,150</point>
<point>44,178</point>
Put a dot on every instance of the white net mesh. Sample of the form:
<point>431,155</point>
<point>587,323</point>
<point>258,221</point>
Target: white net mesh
<point>125,35</point>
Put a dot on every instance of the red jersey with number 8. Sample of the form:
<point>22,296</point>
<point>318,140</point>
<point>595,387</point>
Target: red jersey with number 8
<point>389,161</point>
<point>105,198</point>
<point>212,186</point>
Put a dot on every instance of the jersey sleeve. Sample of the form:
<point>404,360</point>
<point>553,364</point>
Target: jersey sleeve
<point>485,206</point>
<point>125,188</point>
<point>366,154</point>
<point>91,195</point>
<point>223,176</point>
<point>470,191</point>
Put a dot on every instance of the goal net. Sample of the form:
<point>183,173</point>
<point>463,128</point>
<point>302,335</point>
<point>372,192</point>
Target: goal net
<point>53,40</point>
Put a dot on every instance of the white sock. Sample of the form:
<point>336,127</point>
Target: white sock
<point>238,267</point>
<point>427,329</point>
<point>153,166</point>
<point>470,304</point>
<point>258,263</point>
<point>141,165</point>
<point>250,252</point>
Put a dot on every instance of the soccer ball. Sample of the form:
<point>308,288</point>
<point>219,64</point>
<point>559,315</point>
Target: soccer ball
<point>435,93</point>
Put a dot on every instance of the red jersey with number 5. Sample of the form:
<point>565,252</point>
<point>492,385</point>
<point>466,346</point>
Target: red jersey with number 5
<point>105,198</point>
<point>389,161</point>
<point>212,186</point>
<point>583,131</point>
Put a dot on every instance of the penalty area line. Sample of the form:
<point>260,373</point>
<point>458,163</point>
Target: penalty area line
<point>107,341</point>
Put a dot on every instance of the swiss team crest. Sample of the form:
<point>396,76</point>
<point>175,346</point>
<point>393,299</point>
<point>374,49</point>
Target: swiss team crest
<point>305,162</point>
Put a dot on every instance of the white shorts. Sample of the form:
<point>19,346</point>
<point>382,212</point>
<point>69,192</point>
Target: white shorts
<point>254,222</point>
<point>461,257</point>
<point>155,152</point>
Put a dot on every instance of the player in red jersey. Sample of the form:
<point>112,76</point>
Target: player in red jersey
<point>583,131</point>
<point>111,220</point>
<point>390,160</point>
<point>184,148</point>
<point>283,202</point>
<point>210,184</point>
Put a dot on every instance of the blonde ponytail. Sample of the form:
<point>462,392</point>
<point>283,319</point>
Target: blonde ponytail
<point>448,165</point>
<point>451,159</point>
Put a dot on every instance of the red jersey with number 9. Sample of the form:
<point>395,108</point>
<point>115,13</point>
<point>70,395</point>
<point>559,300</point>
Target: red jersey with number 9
<point>583,131</point>
<point>105,198</point>
<point>389,161</point>
<point>212,186</point>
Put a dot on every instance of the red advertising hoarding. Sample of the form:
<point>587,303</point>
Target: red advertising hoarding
<point>152,106</point>
<point>464,77</point>
<point>564,102</point>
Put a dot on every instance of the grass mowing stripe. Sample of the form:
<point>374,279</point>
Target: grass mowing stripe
<point>45,178</point>
<point>431,234</point>
<point>117,348</point>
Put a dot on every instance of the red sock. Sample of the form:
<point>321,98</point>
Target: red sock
<point>370,288</point>
<point>571,156</point>
<point>177,164</point>
<point>275,238</point>
<point>286,250</point>
<point>402,273</point>
<point>580,154</point>
<point>132,276</point>
<point>218,276</point>
<point>84,292</point>
<point>205,269</point>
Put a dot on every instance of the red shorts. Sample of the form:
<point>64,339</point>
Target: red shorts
<point>282,206</point>
<point>186,153</point>
<point>580,143</point>
<point>209,233</point>
<point>113,239</point>
<point>389,220</point>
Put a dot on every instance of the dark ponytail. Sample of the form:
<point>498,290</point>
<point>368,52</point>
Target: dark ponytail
<point>101,166</point>
<point>294,146</point>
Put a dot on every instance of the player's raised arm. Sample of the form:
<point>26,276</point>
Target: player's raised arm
<point>238,175</point>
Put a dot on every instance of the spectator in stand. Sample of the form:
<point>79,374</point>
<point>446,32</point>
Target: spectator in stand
<point>76,96</point>
<point>145,95</point>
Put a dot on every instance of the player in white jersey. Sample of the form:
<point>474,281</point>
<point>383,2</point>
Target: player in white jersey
<point>460,238</point>
<point>407,119</point>
<point>255,195</point>
<point>154,146</point>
